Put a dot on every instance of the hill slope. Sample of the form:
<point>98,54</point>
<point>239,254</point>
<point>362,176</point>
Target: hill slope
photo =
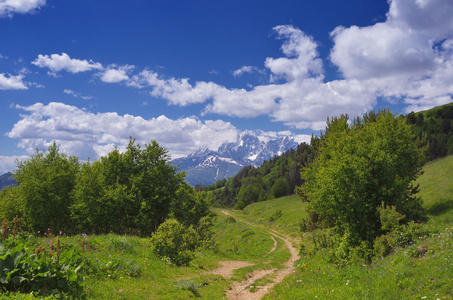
<point>413,272</point>
<point>6,179</point>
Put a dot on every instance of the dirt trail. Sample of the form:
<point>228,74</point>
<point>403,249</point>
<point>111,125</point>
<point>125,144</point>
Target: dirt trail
<point>240,290</point>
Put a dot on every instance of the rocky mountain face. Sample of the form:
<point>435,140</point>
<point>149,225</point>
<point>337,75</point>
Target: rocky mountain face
<point>205,166</point>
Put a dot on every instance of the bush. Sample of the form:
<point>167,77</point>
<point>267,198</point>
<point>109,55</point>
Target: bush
<point>175,243</point>
<point>401,236</point>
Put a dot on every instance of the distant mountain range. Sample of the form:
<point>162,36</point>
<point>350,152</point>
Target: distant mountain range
<point>6,180</point>
<point>206,166</point>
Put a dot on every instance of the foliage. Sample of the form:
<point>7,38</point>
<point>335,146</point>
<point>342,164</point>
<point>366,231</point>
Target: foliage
<point>134,192</point>
<point>46,181</point>
<point>390,218</point>
<point>48,269</point>
<point>435,126</point>
<point>175,243</point>
<point>360,166</point>
<point>280,188</point>
<point>11,203</point>
<point>275,178</point>
<point>249,193</point>
<point>126,192</point>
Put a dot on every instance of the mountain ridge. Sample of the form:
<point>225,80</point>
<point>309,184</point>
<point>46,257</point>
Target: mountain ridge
<point>205,166</point>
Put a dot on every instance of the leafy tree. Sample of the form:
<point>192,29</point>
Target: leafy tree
<point>250,192</point>
<point>11,203</point>
<point>360,167</point>
<point>188,207</point>
<point>46,181</point>
<point>280,188</point>
<point>134,192</point>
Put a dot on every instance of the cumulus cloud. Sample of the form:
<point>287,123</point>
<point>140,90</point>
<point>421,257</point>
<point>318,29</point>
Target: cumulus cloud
<point>295,95</point>
<point>302,58</point>
<point>10,7</point>
<point>56,63</point>
<point>408,57</point>
<point>10,82</point>
<point>9,163</point>
<point>115,74</point>
<point>85,134</point>
<point>176,91</point>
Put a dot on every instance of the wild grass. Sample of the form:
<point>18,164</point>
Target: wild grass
<point>419,271</point>
<point>123,267</point>
<point>283,214</point>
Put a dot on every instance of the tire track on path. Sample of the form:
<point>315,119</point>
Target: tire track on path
<point>239,290</point>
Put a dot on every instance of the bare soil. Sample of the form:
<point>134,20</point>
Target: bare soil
<point>241,290</point>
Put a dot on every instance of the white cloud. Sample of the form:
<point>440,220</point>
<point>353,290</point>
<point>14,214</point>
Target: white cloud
<point>10,7</point>
<point>176,91</point>
<point>9,163</point>
<point>12,82</point>
<point>85,134</point>
<point>265,136</point>
<point>56,63</point>
<point>247,69</point>
<point>302,58</point>
<point>409,57</point>
<point>76,94</point>
<point>115,74</point>
<point>296,94</point>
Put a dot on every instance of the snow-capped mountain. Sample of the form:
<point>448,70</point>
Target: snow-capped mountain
<point>206,166</point>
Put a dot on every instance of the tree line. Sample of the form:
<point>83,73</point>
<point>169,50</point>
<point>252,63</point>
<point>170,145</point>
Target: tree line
<point>275,178</point>
<point>434,125</point>
<point>280,175</point>
<point>130,192</point>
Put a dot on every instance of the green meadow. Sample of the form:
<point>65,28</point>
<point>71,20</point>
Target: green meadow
<point>123,267</point>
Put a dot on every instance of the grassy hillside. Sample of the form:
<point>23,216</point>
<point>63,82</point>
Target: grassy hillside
<point>436,191</point>
<point>419,271</point>
<point>283,214</point>
<point>123,267</point>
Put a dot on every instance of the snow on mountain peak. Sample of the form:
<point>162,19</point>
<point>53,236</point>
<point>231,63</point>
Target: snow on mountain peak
<point>206,166</point>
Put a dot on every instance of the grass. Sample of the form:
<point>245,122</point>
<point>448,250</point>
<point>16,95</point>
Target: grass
<point>266,213</point>
<point>436,191</point>
<point>420,271</point>
<point>123,267</point>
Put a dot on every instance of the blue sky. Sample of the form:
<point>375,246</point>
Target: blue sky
<point>192,74</point>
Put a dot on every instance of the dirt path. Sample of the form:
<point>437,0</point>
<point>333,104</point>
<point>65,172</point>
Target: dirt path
<point>240,290</point>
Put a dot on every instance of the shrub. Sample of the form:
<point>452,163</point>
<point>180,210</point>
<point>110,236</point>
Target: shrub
<point>175,243</point>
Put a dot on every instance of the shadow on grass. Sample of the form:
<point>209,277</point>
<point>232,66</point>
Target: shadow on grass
<point>441,207</point>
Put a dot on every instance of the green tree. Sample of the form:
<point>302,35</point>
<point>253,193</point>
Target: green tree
<point>134,192</point>
<point>360,167</point>
<point>11,203</point>
<point>46,181</point>
<point>251,191</point>
<point>280,188</point>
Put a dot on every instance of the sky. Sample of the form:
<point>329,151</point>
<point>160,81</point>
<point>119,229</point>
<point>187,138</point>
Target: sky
<point>195,74</point>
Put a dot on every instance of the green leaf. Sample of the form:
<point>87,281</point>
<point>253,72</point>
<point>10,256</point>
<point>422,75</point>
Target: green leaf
<point>18,280</point>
